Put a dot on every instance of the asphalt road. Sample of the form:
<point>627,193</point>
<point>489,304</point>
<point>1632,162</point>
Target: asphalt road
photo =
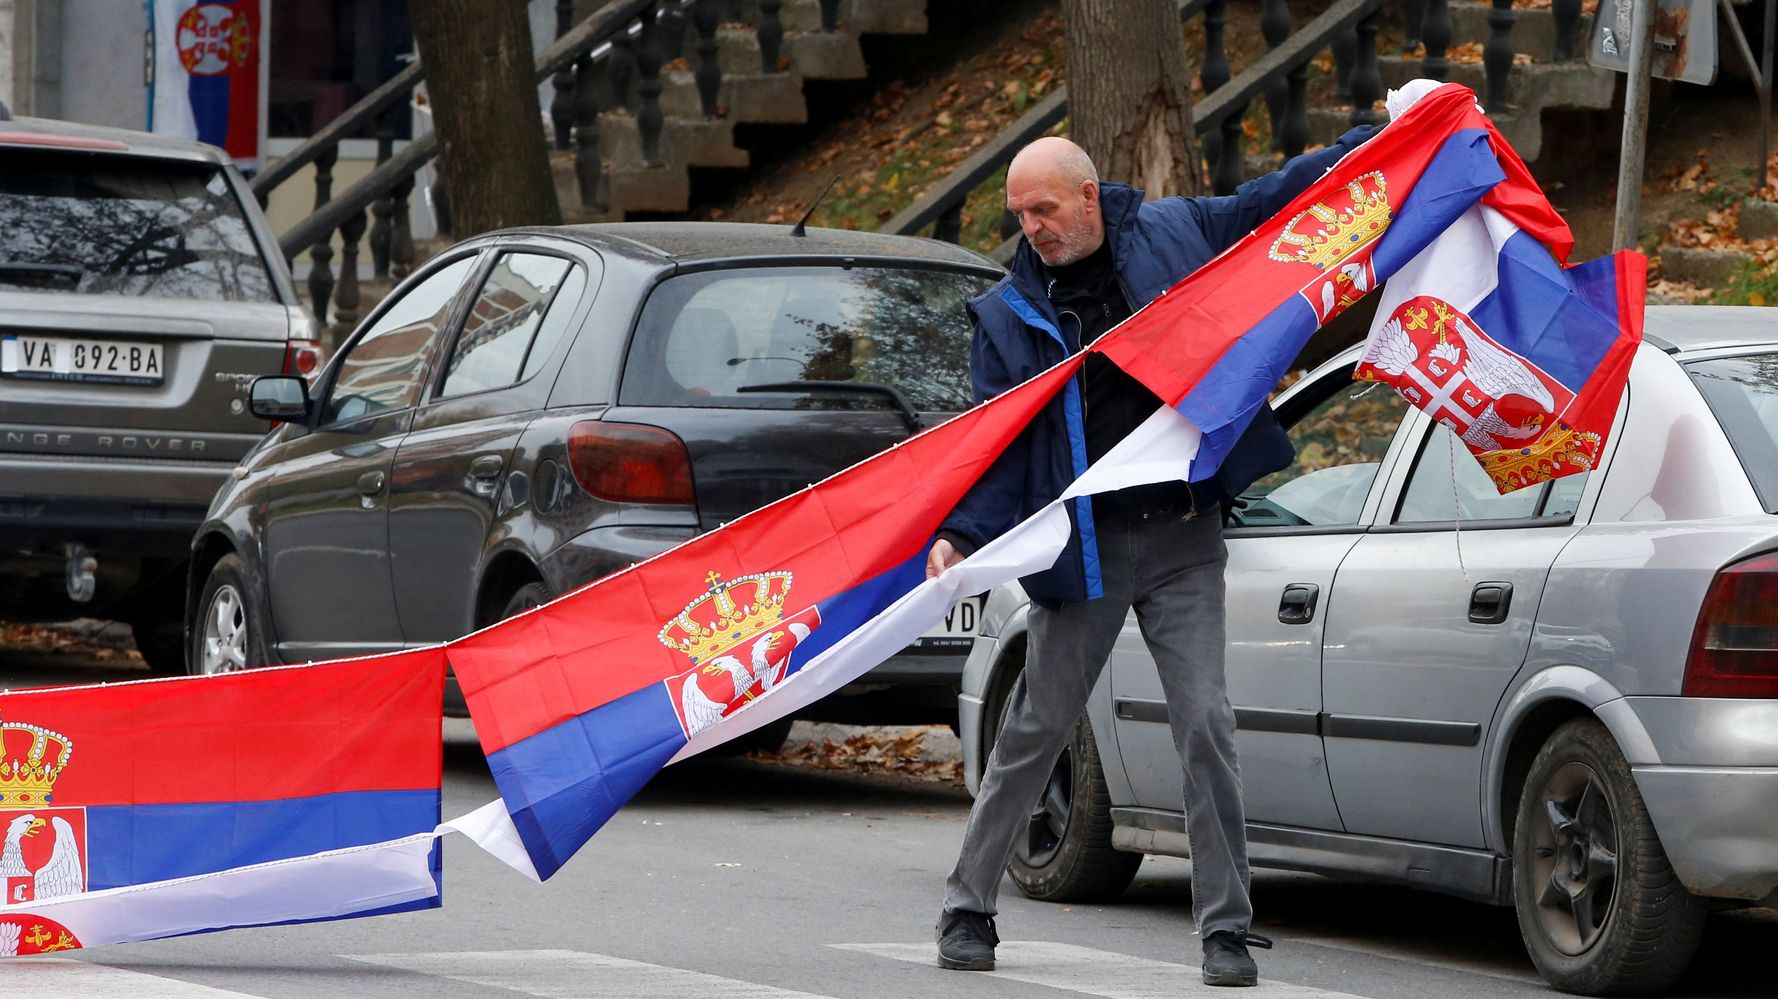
<point>742,878</point>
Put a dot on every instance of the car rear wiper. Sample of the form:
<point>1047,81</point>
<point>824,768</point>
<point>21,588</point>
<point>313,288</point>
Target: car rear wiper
<point>22,267</point>
<point>889,392</point>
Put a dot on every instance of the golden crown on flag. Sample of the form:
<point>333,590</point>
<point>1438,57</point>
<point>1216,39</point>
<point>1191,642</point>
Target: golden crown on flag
<point>1327,232</point>
<point>727,614</point>
<point>31,758</point>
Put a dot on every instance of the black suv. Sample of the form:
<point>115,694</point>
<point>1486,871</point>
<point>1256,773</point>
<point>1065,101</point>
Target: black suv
<point>141,292</point>
<point>537,408</point>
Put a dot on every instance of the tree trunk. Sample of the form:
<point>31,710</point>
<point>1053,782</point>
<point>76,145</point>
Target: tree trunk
<point>1129,94</point>
<point>483,89</point>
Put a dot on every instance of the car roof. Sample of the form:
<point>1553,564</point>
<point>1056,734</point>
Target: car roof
<point>700,242</point>
<point>46,133</point>
<point>1686,328</point>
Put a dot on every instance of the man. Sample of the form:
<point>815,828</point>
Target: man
<point>1093,253</point>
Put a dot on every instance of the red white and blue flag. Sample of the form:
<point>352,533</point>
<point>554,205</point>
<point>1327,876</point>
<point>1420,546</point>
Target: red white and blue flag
<point>105,789</point>
<point>208,58</point>
<point>580,702</point>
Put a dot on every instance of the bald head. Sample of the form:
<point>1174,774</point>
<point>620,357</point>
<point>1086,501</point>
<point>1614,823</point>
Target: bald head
<point>1053,190</point>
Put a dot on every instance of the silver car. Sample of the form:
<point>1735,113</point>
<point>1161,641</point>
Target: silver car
<point>1564,699</point>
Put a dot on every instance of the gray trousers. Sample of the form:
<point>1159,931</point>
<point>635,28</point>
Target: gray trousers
<point>1171,572</point>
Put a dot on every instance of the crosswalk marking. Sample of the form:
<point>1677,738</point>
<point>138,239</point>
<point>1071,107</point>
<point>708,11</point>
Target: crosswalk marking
<point>573,974</point>
<point>60,978</point>
<point>1093,972</point>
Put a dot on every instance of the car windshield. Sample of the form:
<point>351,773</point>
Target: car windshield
<point>736,338</point>
<point>1743,393</point>
<point>103,224</point>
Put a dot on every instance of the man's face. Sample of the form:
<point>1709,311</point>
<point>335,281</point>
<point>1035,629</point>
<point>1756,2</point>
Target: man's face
<point>1061,221</point>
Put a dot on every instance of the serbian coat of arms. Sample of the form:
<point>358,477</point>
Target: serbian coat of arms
<point>42,844</point>
<point>739,642</point>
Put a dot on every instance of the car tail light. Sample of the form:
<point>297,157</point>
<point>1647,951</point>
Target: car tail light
<point>302,357</point>
<point>630,463</point>
<point>1735,646</point>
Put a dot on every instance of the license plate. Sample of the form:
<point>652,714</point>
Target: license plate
<point>81,359</point>
<point>959,627</point>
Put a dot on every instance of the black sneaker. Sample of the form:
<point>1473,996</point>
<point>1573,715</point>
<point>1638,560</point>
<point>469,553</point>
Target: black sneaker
<point>966,941</point>
<point>1226,961</point>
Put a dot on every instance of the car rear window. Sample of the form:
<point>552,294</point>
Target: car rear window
<point>125,225</point>
<point>714,338</point>
<point>1743,393</point>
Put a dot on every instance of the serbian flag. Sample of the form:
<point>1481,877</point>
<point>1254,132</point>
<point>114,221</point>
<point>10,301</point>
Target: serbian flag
<point>148,809</point>
<point>208,56</point>
<point>1523,360</point>
<point>578,703</point>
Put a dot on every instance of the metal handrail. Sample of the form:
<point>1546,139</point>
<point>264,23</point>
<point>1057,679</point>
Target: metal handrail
<point>1230,98</point>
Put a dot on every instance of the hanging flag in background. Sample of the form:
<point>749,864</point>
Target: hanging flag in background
<point>207,61</point>
<point>107,788</point>
<point>1523,360</point>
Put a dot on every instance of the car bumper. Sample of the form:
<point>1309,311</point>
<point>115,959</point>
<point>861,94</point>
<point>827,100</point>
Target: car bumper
<point>1709,776</point>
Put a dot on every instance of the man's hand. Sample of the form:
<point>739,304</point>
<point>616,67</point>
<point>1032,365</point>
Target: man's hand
<point>942,557</point>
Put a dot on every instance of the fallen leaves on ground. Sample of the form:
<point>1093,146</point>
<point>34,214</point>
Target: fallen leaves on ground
<point>888,752</point>
<point>62,641</point>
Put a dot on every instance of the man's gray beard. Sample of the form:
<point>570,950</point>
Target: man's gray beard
<point>1075,248</point>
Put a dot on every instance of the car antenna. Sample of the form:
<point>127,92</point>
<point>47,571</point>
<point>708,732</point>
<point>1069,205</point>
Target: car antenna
<point>798,229</point>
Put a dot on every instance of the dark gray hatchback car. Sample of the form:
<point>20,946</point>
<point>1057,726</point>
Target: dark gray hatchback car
<point>537,408</point>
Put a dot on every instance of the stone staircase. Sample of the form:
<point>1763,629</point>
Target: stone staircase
<point>746,96</point>
<point>1545,83</point>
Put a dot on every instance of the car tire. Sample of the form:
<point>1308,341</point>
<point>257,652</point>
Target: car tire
<point>161,645</point>
<point>768,738</point>
<point>1598,904</point>
<point>1062,851</point>
<point>227,634</point>
<point>524,598</point>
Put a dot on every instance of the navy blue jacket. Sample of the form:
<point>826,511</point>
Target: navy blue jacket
<point>1017,336</point>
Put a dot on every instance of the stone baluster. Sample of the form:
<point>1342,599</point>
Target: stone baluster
<point>1294,134</point>
<point>346,298</point>
<point>382,230</point>
<point>709,72</point>
<point>1435,32</point>
<point>1274,24</point>
<point>1497,54</point>
<point>1413,15</point>
<point>588,169</point>
<point>401,240</point>
<point>561,107</point>
<point>948,227</point>
<point>321,254</point>
<point>830,16</point>
<point>1567,13</point>
<point>1345,53</point>
<point>648,90</point>
<point>1222,144</point>
<point>672,30</point>
<point>770,33</point>
<point>620,67</point>
<point>1367,82</point>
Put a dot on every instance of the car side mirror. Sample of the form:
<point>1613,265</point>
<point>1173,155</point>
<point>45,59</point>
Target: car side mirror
<point>279,398</point>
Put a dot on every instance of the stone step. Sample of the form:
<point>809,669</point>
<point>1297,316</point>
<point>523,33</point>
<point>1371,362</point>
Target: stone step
<point>816,55</point>
<point>1534,29</point>
<point>859,17</point>
<point>665,188</point>
<point>693,142</point>
<point>775,99</point>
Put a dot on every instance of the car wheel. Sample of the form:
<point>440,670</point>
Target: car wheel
<point>227,634</point>
<point>768,738</point>
<point>524,598</point>
<point>1062,851</point>
<point>1599,906</point>
<point>161,645</point>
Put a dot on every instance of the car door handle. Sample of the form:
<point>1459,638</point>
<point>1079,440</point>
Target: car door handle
<point>1298,603</point>
<point>370,483</point>
<point>487,466</point>
<point>1489,603</point>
